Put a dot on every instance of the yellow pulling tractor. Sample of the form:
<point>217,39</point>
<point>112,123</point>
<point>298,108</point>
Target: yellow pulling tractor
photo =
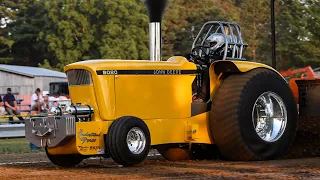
<point>185,107</point>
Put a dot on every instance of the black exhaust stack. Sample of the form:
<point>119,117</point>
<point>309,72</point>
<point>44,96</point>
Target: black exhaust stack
<point>155,11</point>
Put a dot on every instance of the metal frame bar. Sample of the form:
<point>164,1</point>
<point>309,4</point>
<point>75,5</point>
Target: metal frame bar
<point>236,43</point>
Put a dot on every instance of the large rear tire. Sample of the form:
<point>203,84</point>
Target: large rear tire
<point>128,141</point>
<point>241,107</point>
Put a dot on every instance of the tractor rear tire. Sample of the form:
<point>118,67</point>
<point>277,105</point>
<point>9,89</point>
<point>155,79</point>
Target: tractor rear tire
<point>120,141</point>
<point>232,116</point>
<point>65,161</point>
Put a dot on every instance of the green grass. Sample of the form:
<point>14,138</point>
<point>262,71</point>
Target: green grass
<point>16,145</point>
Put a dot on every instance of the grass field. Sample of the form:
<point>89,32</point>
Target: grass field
<point>17,145</point>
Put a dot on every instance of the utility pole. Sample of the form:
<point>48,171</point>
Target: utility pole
<point>273,35</point>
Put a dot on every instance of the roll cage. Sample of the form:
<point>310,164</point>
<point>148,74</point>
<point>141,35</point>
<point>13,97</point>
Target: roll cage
<point>232,33</point>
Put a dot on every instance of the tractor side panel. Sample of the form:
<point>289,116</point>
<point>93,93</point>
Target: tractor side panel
<point>154,96</point>
<point>188,130</point>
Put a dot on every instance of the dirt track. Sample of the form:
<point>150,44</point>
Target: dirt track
<point>15,166</point>
<point>157,168</point>
<point>306,145</point>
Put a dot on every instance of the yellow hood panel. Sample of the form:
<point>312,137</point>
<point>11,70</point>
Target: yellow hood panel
<point>173,63</point>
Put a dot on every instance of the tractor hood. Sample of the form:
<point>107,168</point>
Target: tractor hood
<point>110,65</point>
<point>115,82</point>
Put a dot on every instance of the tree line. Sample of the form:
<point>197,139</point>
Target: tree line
<point>55,33</point>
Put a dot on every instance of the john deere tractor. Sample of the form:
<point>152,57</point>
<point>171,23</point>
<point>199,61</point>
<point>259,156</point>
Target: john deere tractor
<point>185,106</point>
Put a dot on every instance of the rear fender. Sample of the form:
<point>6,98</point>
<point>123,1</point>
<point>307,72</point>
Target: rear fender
<point>237,66</point>
<point>219,68</point>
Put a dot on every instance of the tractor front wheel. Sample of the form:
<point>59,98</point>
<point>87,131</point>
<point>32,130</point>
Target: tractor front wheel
<point>128,141</point>
<point>253,116</point>
<point>64,160</point>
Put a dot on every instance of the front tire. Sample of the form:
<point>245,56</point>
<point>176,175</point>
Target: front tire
<point>234,122</point>
<point>128,141</point>
<point>64,160</point>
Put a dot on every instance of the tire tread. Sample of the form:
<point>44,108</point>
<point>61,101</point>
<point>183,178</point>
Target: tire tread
<point>224,123</point>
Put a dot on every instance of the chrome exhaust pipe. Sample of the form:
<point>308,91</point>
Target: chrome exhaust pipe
<point>155,11</point>
<point>155,41</point>
<point>80,111</point>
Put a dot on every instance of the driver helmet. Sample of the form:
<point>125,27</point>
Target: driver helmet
<point>215,41</point>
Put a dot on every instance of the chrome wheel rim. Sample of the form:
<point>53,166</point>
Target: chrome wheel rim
<point>269,116</point>
<point>136,140</point>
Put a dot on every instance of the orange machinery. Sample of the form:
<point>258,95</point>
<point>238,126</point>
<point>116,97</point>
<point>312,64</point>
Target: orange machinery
<point>306,74</point>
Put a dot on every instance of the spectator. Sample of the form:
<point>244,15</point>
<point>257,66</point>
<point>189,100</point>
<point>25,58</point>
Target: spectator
<point>46,106</point>
<point>36,101</point>
<point>10,105</point>
<point>34,147</point>
<point>55,104</point>
<point>2,110</point>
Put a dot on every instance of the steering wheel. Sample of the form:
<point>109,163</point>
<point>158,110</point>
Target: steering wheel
<point>194,52</point>
<point>196,57</point>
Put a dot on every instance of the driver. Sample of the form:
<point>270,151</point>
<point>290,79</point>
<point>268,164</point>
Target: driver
<point>216,42</point>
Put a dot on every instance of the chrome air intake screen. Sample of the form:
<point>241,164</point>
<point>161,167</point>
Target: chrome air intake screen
<point>78,77</point>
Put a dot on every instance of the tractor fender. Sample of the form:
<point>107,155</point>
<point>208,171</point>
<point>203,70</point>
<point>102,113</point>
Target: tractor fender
<point>221,67</point>
<point>231,66</point>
